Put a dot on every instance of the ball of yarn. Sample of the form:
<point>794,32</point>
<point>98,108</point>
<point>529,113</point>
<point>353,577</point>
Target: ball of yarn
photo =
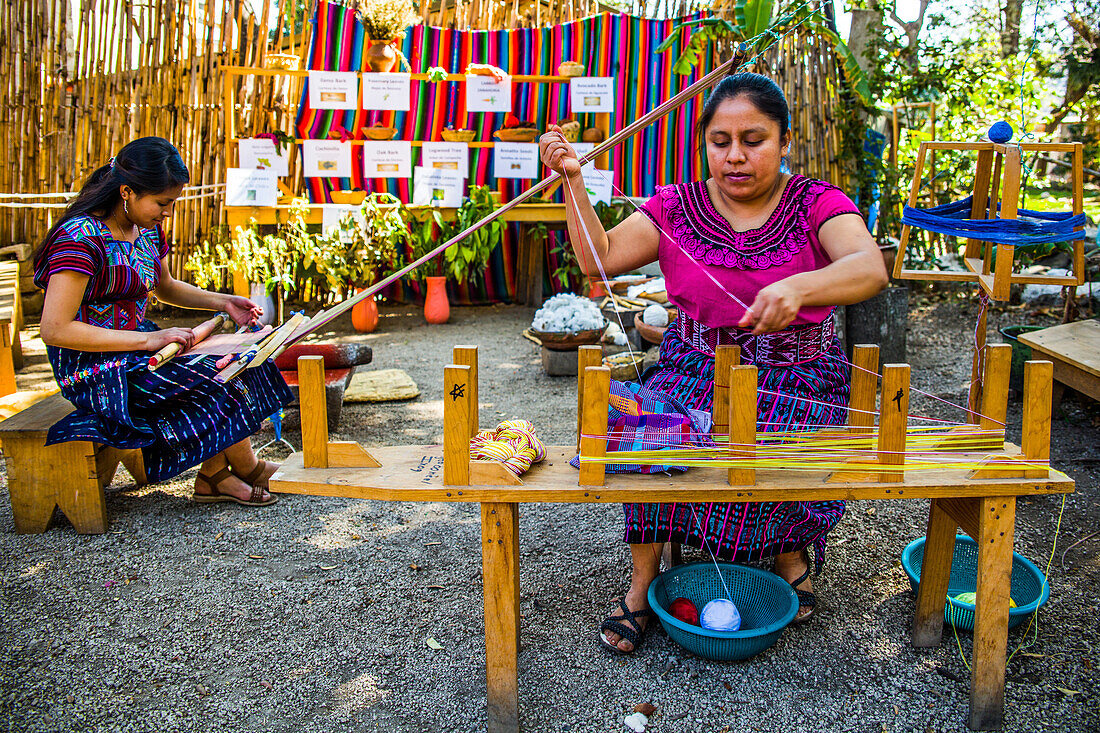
<point>1000,132</point>
<point>684,610</point>
<point>655,315</point>
<point>972,599</point>
<point>720,615</point>
<point>513,443</point>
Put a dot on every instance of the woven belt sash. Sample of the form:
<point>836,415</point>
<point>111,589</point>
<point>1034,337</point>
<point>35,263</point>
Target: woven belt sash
<point>793,345</point>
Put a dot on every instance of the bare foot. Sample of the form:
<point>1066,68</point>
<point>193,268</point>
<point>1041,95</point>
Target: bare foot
<point>231,485</point>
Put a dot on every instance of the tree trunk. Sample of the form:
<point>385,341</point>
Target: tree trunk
<point>1010,31</point>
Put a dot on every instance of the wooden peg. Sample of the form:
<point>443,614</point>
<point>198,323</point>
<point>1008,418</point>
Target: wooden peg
<point>998,364</point>
<point>725,357</point>
<point>1035,443</point>
<point>742,422</point>
<point>456,425</point>
<point>467,356</point>
<point>587,356</point>
<point>893,420</point>
<point>597,392</point>
<point>314,411</point>
<point>861,401</point>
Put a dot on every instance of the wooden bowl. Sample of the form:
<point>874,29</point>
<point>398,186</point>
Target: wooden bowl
<point>517,134</point>
<point>625,366</point>
<point>347,197</point>
<point>380,133</point>
<point>566,341</point>
<point>653,334</point>
<point>459,136</point>
<point>570,68</point>
<point>283,61</point>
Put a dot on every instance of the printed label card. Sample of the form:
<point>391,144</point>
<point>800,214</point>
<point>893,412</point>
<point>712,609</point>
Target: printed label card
<point>387,159</point>
<point>592,94</point>
<point>450,156</point>
<point>387,91</point>
<point>584,149</point>
<point>437,187</point>
<point>333,89</point>
<point>326,159</point>
<point>516,160</point>
<point>259,152</point>
<point>598,183</point>
<point>484,94</point>
<point>333,214</point>
<point>251,187</point>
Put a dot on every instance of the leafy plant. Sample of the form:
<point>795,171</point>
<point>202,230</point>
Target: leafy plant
<point>384,20</point>
<point>363,247</point>
<point>471,255</point>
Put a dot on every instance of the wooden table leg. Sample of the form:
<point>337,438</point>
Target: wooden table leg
<point>939,548</point>
<point>996,523</point>
<point>64,475</point>
<point>500,578</point>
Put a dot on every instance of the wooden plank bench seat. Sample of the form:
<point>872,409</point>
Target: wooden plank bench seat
<point>11,322</point>
<point>976,491</point>
<point>69,475</point>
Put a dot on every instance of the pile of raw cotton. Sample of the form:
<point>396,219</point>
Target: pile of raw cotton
<point>567,313</point>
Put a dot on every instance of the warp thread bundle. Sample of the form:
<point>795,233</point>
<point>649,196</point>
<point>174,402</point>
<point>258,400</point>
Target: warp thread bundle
<point>513,443</point>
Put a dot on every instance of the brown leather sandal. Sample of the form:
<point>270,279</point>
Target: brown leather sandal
<point>215,496</point>
<point>254,474</point>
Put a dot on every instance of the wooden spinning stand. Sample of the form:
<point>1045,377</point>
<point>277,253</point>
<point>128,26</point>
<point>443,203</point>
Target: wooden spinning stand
<point>982,502</point>
<point>997,178</point>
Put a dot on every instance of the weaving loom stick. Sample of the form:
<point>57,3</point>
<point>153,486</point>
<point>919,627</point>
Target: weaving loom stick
<point>326,317</point>
<point>201,331</point>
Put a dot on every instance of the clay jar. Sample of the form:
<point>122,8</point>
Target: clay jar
<point>436,307</point>
<point>593,135</point>
<point>381,56</point>
<point>364,314</point>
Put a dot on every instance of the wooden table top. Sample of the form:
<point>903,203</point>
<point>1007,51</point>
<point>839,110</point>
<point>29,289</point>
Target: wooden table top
<point>1075,343</point>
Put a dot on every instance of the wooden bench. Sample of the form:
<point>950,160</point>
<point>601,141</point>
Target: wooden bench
<point>1074,349</point>
<point>11,323</point>
<point>981,500</point>
<point>68,475</point>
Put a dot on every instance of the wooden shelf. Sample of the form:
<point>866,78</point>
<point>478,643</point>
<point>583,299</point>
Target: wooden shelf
<point>518,78</point>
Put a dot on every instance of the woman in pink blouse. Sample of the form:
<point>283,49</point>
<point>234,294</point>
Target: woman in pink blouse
<point>789,247</point>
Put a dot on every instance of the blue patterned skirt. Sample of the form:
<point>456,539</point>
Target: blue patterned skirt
<point>178,415</point>
<point>749,531</point>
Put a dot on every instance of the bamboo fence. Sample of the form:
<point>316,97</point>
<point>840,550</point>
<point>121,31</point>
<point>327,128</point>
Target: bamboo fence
<point>80,78</point>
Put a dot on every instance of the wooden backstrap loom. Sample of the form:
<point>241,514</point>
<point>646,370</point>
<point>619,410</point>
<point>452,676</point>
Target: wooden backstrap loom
<point>981,501</point>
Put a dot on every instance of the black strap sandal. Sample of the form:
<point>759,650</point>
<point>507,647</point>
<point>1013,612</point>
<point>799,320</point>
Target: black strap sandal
<point>806,598</point>
<point>634,633</point>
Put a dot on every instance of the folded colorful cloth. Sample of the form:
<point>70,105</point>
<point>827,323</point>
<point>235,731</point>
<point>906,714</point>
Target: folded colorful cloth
<point>639,418</point>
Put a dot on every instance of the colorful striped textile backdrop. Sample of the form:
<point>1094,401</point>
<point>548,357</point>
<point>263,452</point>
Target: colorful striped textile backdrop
<point>608,45</point>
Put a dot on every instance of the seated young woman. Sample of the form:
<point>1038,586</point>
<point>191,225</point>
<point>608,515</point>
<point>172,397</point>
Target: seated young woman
<point>99,264</point>
<point>791,248</point>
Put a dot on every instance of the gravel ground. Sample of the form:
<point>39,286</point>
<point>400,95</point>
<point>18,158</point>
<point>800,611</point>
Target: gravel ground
<point>313,615</point>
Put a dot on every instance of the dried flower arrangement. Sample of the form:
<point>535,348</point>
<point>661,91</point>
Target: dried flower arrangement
<point>385,20</point>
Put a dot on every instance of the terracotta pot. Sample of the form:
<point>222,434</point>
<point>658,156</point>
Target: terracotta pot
<point>381,56</point>
<point>436,307</point>
<point>364,314</point>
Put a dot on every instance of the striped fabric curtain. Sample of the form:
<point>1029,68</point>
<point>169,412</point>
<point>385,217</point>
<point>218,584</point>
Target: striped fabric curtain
<point>620,46</point>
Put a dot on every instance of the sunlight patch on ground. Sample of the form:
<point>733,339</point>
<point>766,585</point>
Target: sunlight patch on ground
<point>356,694</point>
<point>34,569</point>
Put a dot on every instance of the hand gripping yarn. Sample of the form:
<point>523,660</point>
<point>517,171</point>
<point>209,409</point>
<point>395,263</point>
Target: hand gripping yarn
<point>513,443</point>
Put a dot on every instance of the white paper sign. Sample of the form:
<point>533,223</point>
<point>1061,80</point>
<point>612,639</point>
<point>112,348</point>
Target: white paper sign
<point>451,156</point>
<point>598,183</point>
<point>592,94</point>
<point>326,159</point>
<point>333,89</point>
<point>437,187</point>
<point>386,91</point>
<point>387,159</point>
<point>584,149</point>
<point>333,214</point>
<point>259,152</point>
<point>251,187</point>
<point>483,94</point>
<point>516,160</point>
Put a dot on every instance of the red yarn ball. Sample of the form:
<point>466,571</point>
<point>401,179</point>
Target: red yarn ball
<point>684,610</point>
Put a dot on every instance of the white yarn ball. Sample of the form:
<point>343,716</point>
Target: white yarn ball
<point>720,615</point>
<point>655,315</point>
